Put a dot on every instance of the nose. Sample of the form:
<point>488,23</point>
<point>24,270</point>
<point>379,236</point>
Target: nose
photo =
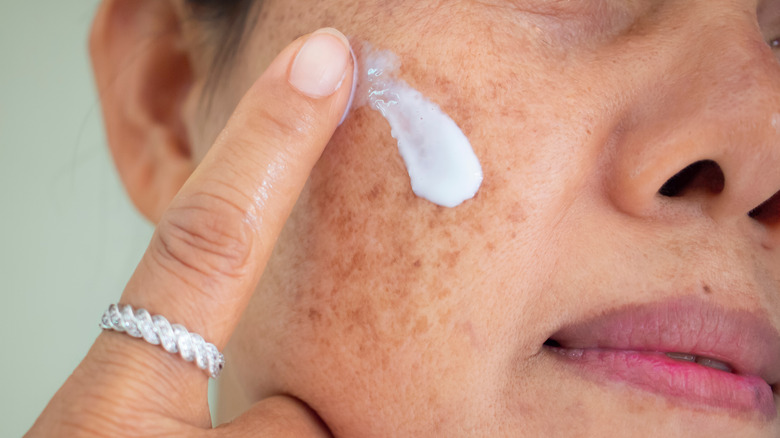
<point>699,133</point>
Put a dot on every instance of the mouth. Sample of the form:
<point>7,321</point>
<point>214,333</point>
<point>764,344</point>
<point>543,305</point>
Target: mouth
<point>691,352</point>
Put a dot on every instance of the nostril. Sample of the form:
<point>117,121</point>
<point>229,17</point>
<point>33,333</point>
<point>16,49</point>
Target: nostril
<point>768,213</point>
<point>705,175</point>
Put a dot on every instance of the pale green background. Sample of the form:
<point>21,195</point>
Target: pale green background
<point>69,238</point>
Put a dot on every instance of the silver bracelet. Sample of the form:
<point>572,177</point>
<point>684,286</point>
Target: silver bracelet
<point>158,331</point>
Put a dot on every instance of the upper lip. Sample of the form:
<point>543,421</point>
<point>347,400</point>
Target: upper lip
<point>745,340</point>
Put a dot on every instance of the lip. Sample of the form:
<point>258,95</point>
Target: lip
<point>628,344</point>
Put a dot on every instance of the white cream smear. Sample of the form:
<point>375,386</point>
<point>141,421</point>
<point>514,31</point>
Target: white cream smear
<point>442,165</point>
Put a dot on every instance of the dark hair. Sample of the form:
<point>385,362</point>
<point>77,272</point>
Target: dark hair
<point>228,19</point>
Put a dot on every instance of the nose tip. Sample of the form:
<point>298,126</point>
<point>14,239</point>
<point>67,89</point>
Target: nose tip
<point>701,135</point>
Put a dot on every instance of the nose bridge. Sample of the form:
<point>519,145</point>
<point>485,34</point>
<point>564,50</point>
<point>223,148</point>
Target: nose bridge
<point>712,92</point>
<point>732,65</point>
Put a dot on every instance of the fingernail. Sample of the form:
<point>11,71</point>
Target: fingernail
<point>320,67</point>
<point>354,86</point>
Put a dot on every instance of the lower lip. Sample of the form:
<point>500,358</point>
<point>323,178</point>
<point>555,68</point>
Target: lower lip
<point>686,382</point>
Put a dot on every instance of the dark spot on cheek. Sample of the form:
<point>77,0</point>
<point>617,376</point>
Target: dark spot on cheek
<point>446,317</point>
<point>377,191</point>
<point>357,261</point>
<point>417,263</point>
<point>442,294</point>
<point>706,288</point>
<point>314,316</point>
<point>450,258</point>
<point>517,214</point>
<point>421,326</point>
<point>477,226</point>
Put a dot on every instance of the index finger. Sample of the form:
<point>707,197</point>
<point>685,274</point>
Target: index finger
<point>210,247</point>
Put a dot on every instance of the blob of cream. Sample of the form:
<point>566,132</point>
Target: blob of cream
<point>442,165</point>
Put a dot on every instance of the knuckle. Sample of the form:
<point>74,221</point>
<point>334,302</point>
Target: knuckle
<point>287,123</point>
<point>209,235</point>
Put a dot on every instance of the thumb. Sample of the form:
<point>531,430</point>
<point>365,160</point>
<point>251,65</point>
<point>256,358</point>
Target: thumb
<point>275,417</point>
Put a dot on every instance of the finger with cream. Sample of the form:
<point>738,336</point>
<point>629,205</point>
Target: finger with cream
<point>442,165</point>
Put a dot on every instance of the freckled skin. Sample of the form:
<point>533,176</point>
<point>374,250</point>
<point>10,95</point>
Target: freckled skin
<point>391,316</point>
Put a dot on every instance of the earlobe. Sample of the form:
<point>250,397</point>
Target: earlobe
<point>144,76</point>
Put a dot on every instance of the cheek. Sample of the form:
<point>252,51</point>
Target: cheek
<point>385,263</point>
<point>386,293</point>
<point>384,289</point>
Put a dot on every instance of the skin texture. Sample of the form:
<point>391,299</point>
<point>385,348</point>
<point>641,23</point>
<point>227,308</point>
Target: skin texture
<point>390,316</point>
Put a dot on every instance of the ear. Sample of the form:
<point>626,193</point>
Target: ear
<point>144,76</point>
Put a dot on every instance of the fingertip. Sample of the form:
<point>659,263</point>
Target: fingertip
<point>335,33</point>
<point>321,64</point>
<point>354,86</point>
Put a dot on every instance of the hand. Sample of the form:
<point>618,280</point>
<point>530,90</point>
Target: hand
<point>206,257</point>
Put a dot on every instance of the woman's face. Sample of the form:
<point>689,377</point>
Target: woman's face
<point>391,316</point>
